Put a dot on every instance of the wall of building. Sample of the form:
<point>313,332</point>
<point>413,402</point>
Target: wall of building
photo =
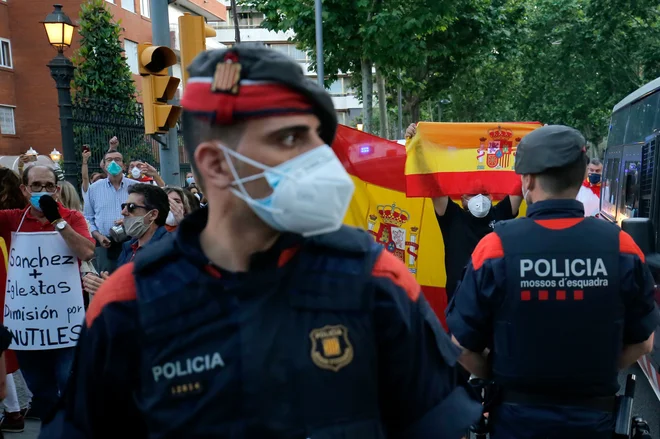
<point>33,90</point>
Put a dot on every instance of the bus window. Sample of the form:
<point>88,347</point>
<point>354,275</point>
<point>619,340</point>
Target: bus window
<point>610,187</point>
<point>629,203</point>
<point>618,127</point>
<point>642,117</point>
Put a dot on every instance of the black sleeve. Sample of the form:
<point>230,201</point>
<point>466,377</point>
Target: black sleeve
<point>452,210</point>
<point>503,210</point>
<point>419,398</point>
<point>5,338</point>
<point>104,376</point>
<point>642,316</point>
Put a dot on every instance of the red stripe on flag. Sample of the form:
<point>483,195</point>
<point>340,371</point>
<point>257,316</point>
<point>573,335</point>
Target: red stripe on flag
<point>454,184</point>
<point>437,298</point>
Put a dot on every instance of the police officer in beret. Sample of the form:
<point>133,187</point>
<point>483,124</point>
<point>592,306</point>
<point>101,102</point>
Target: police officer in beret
<point>263,317</point>
<point>561,302</point>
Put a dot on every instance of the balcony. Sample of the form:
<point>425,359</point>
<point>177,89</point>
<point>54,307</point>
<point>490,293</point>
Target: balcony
<point>258,35</point>
<point>212,10</point>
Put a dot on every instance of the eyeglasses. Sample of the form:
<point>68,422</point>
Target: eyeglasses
<point>37,187</point>
<point>130,207</point>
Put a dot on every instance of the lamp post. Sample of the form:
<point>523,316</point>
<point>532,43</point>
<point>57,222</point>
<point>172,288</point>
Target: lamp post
<point>442,103</point>
<point>59,30</point>
<point>55,155</point>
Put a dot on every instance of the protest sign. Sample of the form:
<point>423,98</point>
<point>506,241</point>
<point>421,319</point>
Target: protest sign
<point>44,304</point>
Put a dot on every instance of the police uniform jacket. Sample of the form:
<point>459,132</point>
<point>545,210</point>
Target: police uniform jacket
<point>324,337</point>
<point>555,296</point>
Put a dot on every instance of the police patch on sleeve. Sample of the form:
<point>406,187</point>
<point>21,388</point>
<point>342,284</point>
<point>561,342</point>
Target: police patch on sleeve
<point>331,348</point>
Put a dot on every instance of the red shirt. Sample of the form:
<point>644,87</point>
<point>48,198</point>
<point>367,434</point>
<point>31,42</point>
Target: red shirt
<point>10,220</point>
<point>595,188</point>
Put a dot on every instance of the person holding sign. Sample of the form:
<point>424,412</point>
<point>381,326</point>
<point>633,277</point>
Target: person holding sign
<point>43,301</point>
<point>264,317</point>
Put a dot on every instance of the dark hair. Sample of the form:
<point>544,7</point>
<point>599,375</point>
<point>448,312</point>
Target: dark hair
<point>11,196</point>
<point>556,181</point>
<point>154,198</point>
<point>192,200</point>
<point>26,173</point>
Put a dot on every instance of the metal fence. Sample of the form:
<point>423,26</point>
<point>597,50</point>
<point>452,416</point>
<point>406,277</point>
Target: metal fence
<point>95,122</point>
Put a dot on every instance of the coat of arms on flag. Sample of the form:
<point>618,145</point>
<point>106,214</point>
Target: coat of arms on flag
<point>393,234</point>
<point>498,150</point>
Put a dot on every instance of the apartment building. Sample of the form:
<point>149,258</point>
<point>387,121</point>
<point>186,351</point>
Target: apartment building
<point>342,91</point>
<point>29,115</point>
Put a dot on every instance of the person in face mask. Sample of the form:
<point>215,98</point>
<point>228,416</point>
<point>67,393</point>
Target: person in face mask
<point>102,209</point>
<point>464,225</point>
<point>265,287</point>
<point>144,173</point>
<point>179,207</point>
<point>594,174</point>
<point>144,217</point>
<point>190,179</point>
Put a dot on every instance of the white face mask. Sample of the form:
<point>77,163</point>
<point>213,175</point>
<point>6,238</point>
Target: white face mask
<point>311,192</point>
<point>171,220</point>
<point>136,173</point>
<point>479,205</point>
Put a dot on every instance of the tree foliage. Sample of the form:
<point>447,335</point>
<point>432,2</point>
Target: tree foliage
<point>555,61</point>
<point>101,69</point>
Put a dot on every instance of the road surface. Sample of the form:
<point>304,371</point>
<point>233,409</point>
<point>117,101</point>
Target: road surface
<point>646,405</point>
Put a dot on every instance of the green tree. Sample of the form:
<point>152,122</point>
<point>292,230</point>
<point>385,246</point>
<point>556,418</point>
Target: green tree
<point>101,70</point>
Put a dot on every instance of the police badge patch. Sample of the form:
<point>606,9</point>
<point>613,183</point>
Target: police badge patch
<point>331,348</point>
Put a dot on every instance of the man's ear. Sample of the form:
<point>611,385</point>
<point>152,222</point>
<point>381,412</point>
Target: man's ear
<point>529,181</point>
<point>212,165</point>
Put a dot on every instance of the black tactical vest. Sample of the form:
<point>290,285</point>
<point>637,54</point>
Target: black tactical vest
<point>559,329</point>
<point>288,354</point>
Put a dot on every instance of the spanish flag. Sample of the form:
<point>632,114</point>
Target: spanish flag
<point>452,159</point>
<point>381,207</point>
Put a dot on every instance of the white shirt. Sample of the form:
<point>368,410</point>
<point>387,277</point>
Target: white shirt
<point>590,200</point>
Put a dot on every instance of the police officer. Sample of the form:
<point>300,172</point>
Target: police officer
<point>562,302</point>
<point>263,317</point>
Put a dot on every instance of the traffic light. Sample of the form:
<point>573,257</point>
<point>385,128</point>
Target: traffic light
<point>193,32</point>
<point>158,87</point>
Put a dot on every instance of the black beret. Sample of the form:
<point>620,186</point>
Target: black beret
<point>551,146</point>
<point>258,65</point>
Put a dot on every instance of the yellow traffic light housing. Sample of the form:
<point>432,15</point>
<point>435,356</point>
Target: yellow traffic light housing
<point>158,87</point>
<point>193,32</point>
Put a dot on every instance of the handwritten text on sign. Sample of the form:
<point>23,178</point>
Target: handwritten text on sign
<point>44,303</point>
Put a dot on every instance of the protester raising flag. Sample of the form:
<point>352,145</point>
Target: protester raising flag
<point>452,159</point>
<point>381,207</point>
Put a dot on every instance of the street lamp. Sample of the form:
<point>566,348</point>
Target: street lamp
<point>441,104</point>
<point>55,155</point>
<point>59,30</point>
<point>360,127</point>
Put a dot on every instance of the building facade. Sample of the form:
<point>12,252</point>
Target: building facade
<point>29,116</point>
<point>343,94</point>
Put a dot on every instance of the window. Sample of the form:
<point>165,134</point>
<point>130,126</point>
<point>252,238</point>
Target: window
<point>5,53</point>
<point>7,120</point>
<point>336,88</point>
<point>610,187</point>
<point>629,204</point>
<point>129,5</point>
<point>145,8</point>
<point>618,127</point>
<point>642,116</point>
<point>131,49</point>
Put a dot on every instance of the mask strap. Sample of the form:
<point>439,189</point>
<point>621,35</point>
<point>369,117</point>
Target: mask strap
<point>242,192</point>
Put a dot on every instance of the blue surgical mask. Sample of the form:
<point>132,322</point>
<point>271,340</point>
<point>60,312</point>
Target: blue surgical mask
<point>594,178</point>
<point>35,197</point>
<point>190,180</point>
<point>114,169</point>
